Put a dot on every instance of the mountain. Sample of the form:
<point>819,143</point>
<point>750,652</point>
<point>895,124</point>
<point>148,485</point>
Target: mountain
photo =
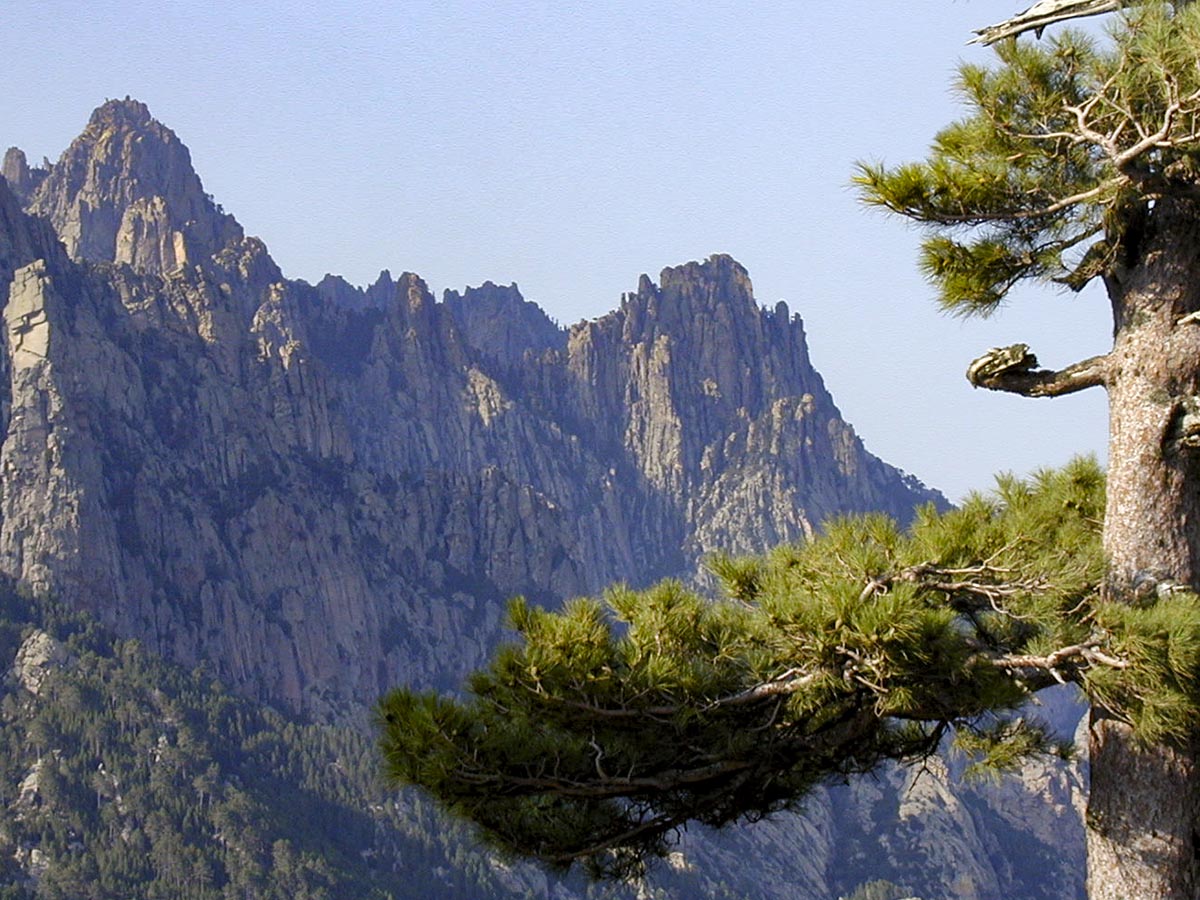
<point>314,490</point>
<point>124,776</point>
<point>313,493</point>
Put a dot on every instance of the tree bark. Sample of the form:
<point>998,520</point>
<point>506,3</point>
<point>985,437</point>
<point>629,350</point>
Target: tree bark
<point>1143,819</point>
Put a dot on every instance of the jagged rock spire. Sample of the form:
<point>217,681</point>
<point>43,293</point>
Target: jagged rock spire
<point>125,191</point>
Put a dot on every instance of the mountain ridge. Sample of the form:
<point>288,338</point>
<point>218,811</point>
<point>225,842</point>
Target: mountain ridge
<point>516,456</point>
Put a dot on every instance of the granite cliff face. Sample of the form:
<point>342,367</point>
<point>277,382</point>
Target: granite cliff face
<point>318,492</point>
<point>315,490</point>
<point>125,191</point>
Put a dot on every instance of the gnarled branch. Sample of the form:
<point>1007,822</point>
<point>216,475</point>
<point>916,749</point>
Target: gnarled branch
<point>1062,665</point>
<point>1038,16</point>
<point>1014,369</point>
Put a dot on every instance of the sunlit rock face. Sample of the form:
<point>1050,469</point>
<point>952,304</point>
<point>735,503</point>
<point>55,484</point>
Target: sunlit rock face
<point>125,190</point>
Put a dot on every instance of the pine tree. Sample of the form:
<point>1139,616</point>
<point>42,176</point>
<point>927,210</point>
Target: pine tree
<point>1080,161</point>
<point>615,721</point>
<point>611,724</point>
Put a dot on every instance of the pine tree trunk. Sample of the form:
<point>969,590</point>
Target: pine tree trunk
<point>1143,819</point>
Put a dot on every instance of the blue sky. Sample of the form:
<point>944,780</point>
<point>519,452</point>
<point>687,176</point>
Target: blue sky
<point>571,147</point>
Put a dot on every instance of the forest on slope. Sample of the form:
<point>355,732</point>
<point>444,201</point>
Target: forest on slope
<point>123,775</point>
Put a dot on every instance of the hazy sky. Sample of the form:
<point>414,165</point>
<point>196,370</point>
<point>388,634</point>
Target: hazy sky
<point>571,147</point>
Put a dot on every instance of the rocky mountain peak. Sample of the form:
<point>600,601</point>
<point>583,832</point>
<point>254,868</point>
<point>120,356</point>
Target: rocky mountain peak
<point>125,191</point>
<point>277,470</point>
<point>688,296</point>
<point>383,289</point>
<point>15,168</point>
<point>726,351</point>
<point>726,276</point>
<point>339,292</point>
<point>691,375</point>
<point>127,113</point>
<point>344,295</point>
<point>501,324</point>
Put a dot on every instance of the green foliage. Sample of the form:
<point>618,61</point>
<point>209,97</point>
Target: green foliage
<point>1159,691</point>
<point>614,722</point>
<point>152,782</point>
<point>1064,145</point>
<point>1004,744</point>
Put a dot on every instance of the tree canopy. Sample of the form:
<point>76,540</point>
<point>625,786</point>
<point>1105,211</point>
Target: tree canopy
<point>1065,143</point>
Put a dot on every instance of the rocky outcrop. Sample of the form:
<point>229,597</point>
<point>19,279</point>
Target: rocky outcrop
<point>22,179</point>
<point>718,405</point>
<point>502,326</point>
<point>23,239</point>
<point>38,655</point>
<point>125,190</point>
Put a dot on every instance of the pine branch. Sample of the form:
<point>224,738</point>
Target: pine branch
<point>649,828</point>
<point>835,739</point>
<point>1075,656</point>
<point>987,584</point>
<point>1160,139</point>
<point>1038,16</point>
<point>1122,160</point>
<point>931,209</point>
<point>788,682</point>
<point>603,787</point>
<point>1013,369</point>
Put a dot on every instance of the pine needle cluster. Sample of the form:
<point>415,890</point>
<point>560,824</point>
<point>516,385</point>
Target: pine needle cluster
<point>1065,145</point>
